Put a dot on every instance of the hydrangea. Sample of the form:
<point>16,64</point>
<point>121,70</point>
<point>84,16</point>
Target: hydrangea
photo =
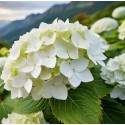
<point>48,61</point>
<point>121,31</point>
<point>119,12</point>
<point>104,24</point>
<point>114,74</point>
<point>15,118</point>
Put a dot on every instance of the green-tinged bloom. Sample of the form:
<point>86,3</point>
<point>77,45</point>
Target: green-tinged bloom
<point>119,12</point>
<point>104,24</point>
<point>114,74</point>
<point>121,31</point>
<point>14,118</point>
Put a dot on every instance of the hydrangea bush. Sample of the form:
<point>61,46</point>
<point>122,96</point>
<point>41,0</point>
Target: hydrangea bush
<point>65,73</point>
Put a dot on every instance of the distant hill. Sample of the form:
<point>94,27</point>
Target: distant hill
<point>13,30</point>
<point>3,23</point>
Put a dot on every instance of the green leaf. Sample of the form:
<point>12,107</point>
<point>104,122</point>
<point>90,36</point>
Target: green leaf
<point>102,88</point>
<point>113,112</point>
<point>28,105</point>
<point>49,117</point>
<point>6,106</point>
<point>81,106</point>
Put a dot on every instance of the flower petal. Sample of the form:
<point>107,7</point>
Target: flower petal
<point>46,90</point>
<point>28,85</point>
<point>35,73</point>
<point>45,74</point>
<point>79,64</point>
<point>66,69</point>
<point>85,76</point>
<point>74,80</point>
<point>60,92</point>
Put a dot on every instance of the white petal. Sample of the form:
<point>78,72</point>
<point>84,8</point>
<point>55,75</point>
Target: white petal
<point>27,68</point>
<point>48,41</point>
<point>37,59</point>
<point>45,74</point>
<point>101,56</point>
<point>79,64</point>
<point>92,57</point>
<point>73,52</point>
<point>79,42</point>
<point>14,93</point>
<point>46,91</point>
<point>28,85</point>
<point>66,69</point>
<point>44,26</point>
<point>19,80</point>
<point>60,92</point>
<point>62,53</point>
<point>14,52</point>
<point>85,76</point>
<point>36,92</point>
<point>115,93</point>
<point>49,62</point>
<point>94,49</point>
<point>35,73</point>
<point>101,62</point>
<point>74,80</point>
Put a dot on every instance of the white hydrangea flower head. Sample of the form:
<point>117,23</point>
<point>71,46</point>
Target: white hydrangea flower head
<point>121,31</point>
<point>14,118</point>
<point>49,60</point>
<point>114,74</point>
<point>104,24</point>
<point>119,12</point>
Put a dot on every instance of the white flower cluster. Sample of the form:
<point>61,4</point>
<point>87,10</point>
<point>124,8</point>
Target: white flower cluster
<point>119,12</point>
<point>15,118</point>
<point>104,24</point>
<point>114,74</point>
<point>121,31</point>
<point>47,61</point>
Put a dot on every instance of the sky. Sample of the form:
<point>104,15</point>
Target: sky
<point>15,10</point>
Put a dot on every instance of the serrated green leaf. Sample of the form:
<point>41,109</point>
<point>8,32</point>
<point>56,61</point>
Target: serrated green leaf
<point>6,105</point>
<point>28,105</point>
<point>81,106</point>
<point>49,117</point>
<point>113,112</point>
<point>102,88</point>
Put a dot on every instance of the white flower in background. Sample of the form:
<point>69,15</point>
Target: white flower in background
<point>121,31</point>
<point>76,71</point>
<point>119,12</point>
<point>14,118</point>
<point>107,76</point>
<point>49,60</point>
<point>114,74</point>
<point>3,61</point>
<point>118,92</point>
<point>104,24</point>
